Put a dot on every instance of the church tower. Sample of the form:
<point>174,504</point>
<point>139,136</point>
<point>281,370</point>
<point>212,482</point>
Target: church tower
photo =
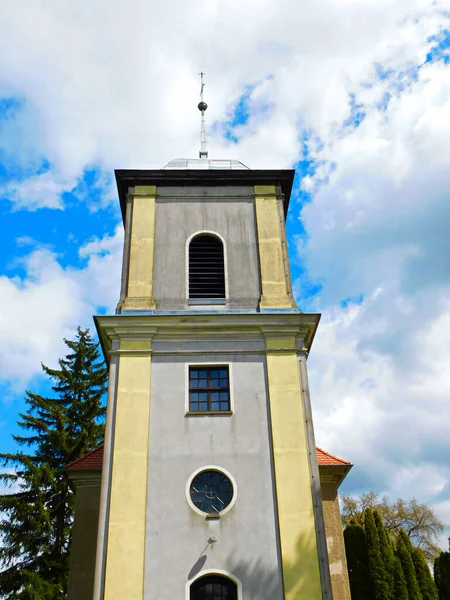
<point>210,484</point>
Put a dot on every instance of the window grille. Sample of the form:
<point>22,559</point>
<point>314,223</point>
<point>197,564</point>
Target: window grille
<point>206,267</point>
<point>213,587</point>
<point>209,389</point>
<point>211,492</point>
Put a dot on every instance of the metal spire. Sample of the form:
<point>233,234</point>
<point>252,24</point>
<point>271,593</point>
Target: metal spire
<point>202,106</point>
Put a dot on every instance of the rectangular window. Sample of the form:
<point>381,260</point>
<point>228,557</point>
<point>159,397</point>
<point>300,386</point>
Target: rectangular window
<point>209,389</point>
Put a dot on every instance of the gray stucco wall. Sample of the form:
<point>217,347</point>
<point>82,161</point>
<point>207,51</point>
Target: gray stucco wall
<point>228,211</point>
<point>177,537</point>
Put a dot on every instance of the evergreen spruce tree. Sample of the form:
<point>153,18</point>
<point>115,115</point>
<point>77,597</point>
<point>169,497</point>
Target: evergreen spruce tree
<point>401,589</point>
<point>423,575</point>
<point>357,562</point>
<point>37,512</point>
<point>404,550</point>
<point>387,554</point>
<point>442,575</point>
<point>377,567</point>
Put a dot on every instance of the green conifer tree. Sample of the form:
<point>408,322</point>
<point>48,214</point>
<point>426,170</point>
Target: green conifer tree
<point>387,554</point>
<point>404,550</point>
<point>423,575</point>
<point>401,589</point>
<point>357,562</point>
<point>442,575</point>
<point>377,568</point>
<point>37,511</point>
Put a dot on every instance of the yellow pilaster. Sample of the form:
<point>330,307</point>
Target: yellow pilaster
<point>275,277</point>
<point>142,246</point>
<point>124,576</point>
<point>299,555</point>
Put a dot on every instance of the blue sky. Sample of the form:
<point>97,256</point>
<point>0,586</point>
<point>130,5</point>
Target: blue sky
<point>354,96</point>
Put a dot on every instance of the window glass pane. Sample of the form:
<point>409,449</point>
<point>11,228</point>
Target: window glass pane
<point>212,477</point>
<point>203,383</point>
<point>203,406</point>
<point>194,406</point>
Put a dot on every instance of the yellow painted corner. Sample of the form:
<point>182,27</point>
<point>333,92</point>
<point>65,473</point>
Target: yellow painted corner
<point>124,574</point>
<point>145,190</point>
<point>274,271</point>
<point>300,563</point>
<point>138,345</point>
<point>261,190</point>
<point>273,344</point>
<point>142,243</point>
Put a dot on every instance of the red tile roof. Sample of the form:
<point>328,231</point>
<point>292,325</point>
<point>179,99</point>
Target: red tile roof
<point>91,460</point>
<point>325,458</point>
<point>94,460</point>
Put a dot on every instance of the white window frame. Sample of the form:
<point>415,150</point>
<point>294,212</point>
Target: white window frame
<point>219,470</point>
<point>211,365</point>
<point>220,572</point>
<point>191,301</point>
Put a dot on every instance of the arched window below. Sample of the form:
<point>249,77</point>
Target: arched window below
<point>206,267</point>
<point>213,587</point>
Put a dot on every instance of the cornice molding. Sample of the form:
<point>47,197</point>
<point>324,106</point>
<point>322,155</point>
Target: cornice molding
<point>193,326</point>
<point>85,477</point>
<point>129,178</point>
<point>333,473</point>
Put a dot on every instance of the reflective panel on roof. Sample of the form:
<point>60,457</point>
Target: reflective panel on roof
<point>204,163</point>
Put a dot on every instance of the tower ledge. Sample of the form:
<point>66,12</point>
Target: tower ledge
<point>203,176</point>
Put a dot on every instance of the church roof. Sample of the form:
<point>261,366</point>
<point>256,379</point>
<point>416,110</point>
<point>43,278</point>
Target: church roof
<point>325,458</point>
<point>91,460</point>
<point>94,460</point>
<point>204,163</point>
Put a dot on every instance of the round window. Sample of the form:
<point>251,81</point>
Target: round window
<point>211,492</point>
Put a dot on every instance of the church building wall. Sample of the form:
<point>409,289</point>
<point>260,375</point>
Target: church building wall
<point>84,541</point>
<point>335,539</point>
<point>229,212</point>
<point>246,535</point>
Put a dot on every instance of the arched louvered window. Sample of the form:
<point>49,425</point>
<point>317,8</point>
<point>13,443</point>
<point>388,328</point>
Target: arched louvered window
<point>213,587</point>
<point>206,267</point>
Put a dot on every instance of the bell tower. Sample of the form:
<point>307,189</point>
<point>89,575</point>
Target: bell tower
<point>210,484</point>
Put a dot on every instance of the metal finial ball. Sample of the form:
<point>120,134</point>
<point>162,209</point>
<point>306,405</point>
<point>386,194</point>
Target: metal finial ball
<point>202,106</point>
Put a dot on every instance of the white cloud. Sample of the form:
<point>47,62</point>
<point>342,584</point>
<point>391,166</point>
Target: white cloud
<point>383,404</point>
<point>50,301</point>
<point>36,192</point>
<point>101,89</point>
<point>379,228</point>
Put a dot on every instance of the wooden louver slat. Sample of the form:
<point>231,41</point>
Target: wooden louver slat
<point>206,267</point>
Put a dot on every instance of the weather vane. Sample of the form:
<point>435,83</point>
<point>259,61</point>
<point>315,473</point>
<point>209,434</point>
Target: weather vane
<point>202,106</point>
